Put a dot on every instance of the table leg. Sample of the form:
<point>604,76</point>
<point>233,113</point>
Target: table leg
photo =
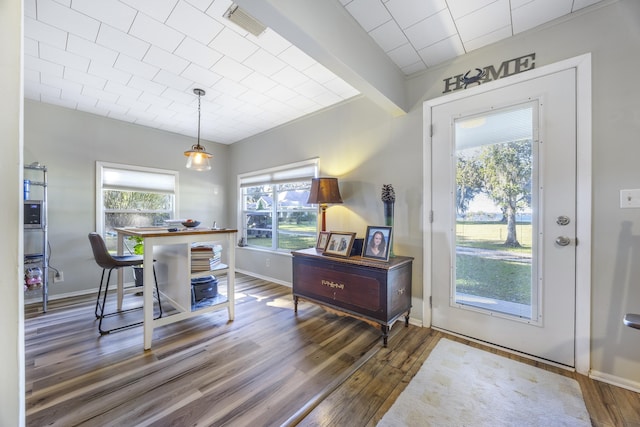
<point>120,273</point>
<point>147,286</point>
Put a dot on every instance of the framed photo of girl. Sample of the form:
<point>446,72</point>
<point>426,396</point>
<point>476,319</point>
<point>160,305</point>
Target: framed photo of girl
<point>323,239</point>
<point>377,243</point>
<point>339,243</point>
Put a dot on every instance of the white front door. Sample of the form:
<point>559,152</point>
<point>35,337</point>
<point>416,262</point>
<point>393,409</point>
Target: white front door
<point>503,197</point>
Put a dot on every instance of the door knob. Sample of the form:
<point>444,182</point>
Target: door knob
<point>563,240</point>
<point>563,220</point>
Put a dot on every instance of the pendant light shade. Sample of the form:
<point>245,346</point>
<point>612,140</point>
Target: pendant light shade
<point>198,158</point>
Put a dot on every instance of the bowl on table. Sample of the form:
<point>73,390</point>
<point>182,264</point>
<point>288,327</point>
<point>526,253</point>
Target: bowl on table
<point>191,223</point>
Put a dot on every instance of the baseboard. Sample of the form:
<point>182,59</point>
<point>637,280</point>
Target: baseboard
<point>614,380</point>
<point>267,278</point>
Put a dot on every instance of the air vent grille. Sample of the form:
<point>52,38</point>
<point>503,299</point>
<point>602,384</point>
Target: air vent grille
<point>244,20</point>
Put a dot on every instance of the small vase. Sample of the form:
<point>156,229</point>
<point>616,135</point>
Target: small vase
<point>388,221</point>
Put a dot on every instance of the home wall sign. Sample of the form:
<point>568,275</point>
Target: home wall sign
<point>489,73</point>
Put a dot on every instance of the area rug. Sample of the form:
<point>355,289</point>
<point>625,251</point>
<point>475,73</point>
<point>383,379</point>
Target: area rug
<point>459,385</point>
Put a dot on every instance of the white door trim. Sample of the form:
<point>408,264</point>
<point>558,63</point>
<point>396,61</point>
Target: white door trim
<point>582,65</point>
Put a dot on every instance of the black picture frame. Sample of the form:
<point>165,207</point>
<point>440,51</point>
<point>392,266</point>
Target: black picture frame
<point>323,239</point>
<point>369,249</point>
<point>339,243</point>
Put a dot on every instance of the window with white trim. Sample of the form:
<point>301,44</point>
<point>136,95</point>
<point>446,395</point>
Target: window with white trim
<point>133,196</point>
<point>274,210</point>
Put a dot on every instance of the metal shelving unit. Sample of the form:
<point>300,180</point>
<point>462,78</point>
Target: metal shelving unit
<point>40,257</point>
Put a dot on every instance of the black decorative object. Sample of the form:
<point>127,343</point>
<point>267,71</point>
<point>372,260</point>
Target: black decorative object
<point>388,200</point>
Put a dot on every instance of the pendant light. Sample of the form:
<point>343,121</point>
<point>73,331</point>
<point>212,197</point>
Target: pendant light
<point>198,157</point>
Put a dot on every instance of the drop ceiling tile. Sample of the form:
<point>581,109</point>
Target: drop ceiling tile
<point>389,36</point>
<point>319,73</point>
<point>109,73</point>
<point>264,62</point>
<point>231,69</point>
<point>84,78</point>
<point>228,88</point>
<point>296,58</point>
<point>134,107</point>
<point>442,51</point>
<point>410,12</point>
<point>62,84</point>
<point>29,7</point>
<point>258,82</point>
<point>154,100</point>
<point>114,110</point>
<point>30,47</point>
<point>272,42</point>
<point>31,75</point>
<point>413,68</point>
<point>431,30</point>
<point>164,60</point>
<point>88,49</point>
<point>200,76</point>
<point>56,100</point>
<point>44,67</point>
<point>197,53</point>
<point>487,39</point>
<point>192,22</point>
<point>122,42</point>
<point>64,58</point>
<point>112,12</point>
<point>204,5</point>
<point>171,80</point>
<point>147,86</point>
<point>157,9</point>
<point>404,55</point>
<point>123,90</point>
<point>66,19</point>
<point>538,12</point>
<point>369,14</point>
<point>460,8</point>
<point>135,67</point>
<point>341,88</point>
<point>101,95</point>
<point>37,30</point>
<point>180,96</point>
<point>231,44</point>
<point>290,77</point>
<point>156,33</point>
<point>484,21</point>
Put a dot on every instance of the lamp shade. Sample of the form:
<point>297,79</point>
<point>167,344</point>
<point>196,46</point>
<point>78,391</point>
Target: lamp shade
<point>324,190</point>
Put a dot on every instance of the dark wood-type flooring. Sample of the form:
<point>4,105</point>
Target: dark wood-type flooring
<point>268,367</point>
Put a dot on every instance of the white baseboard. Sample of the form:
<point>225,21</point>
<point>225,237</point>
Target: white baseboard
<point>614,380</point>
<point>267,278</point>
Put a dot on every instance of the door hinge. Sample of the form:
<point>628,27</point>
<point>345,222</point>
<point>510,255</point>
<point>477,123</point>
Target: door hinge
<point>430,301</point>
<point>431,131</point>
<point>431,217</point>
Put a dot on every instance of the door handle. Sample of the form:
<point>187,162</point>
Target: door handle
<point>563,240</point>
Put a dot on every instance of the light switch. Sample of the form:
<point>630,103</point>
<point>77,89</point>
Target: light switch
<point>630,198</point>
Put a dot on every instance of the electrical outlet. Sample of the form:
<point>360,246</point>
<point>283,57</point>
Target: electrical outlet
<point>58,277</point>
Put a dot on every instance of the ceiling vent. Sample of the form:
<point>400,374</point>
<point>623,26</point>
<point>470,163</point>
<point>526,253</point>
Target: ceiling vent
<point>244,20</point>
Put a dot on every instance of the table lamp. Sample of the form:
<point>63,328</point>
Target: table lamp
<point>323,192</point>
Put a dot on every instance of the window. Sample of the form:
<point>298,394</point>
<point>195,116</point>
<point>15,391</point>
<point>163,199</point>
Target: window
<point>274,209</point>
<point>133,196</point>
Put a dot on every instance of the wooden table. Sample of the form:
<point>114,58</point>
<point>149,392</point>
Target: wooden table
<point>172,252</point>
<point>378,292</point>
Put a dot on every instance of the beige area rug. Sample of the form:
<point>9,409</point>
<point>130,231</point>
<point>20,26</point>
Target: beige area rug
<point>459,385</point>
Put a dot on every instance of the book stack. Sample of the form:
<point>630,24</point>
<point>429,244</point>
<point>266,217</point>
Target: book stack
<point>205,257</point>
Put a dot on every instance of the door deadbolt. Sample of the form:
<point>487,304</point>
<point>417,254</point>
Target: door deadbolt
<point>563,220</point>
<point>563,240</point>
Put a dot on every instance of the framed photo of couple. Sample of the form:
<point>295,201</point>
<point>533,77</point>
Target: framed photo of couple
<point>339,243</point>
<point>377,243</point>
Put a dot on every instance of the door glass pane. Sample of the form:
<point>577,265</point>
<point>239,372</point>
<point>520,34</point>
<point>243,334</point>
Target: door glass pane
<point>494,266</point>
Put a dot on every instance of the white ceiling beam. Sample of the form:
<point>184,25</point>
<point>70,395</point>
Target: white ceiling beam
<point>326,32</point>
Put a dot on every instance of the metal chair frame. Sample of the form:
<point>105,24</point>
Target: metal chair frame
<point>114,262</point>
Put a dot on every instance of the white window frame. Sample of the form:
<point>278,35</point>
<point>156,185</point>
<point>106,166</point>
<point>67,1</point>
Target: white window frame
<point>292,172</point>
<point>167,182</point>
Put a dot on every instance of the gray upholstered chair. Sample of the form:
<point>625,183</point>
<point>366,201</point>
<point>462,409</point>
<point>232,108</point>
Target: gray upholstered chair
<point>113,262</point>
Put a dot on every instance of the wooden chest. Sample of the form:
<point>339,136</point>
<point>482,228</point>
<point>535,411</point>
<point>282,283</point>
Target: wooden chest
<point>376,291</point>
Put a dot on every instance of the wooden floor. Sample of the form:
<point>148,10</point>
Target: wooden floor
<point>268,367</point>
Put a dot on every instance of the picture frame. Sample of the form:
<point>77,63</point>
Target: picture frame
<point>323,239</point>
<point>370,249</point>
<point>339,243</point>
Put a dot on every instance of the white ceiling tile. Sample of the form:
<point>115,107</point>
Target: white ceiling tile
<point>319,73</point>
<point>30,9</point>
<point>229,88</point>
<point>62,84</point>
<point>135,67</point>
<point>257,82</point>
<point>164,60</point>
<point>404,55</point>
<point>66,103</point>
<point>311,89</point>
<point>487,39</point>
<point>389,36</point>
<point>157,9</point>
<point>84,78</point>
<point>281,93</point>
<point>180,96</point>
<point>154,100</point>
<point>410,12</point>
<point>133,104</point>
<point>30,47</point>
<point>369,14</point>
<point>579,4</point>
<point>112,12</point>
<point>264,62</point>
<point>36,30</point>
<point>272,42</point>
<point>195,24</point>
<point>290,77</point>
<point>66,19</point>
<point>155,32</point>
<point>203,5</point>
<point>173,81</point>
<point>431,30</point>
<point>297,58</point>
<point>101,95</point>
<point>123,90</point>
<point>442,51</point>
<point>197,53</point>
<point>122,42</point>
<point>231,69</point>
<point>45,91</point>
<point>89,49</point>
<point>201,76</point>
<point>32,75</point>
<point>64,58</point>
<point>326,99</point>
<point>413,68</point>
<point>112,108</point>
<point>108,73</point>
<point>231,44</point>
<point>538,12</point>
<point>460,8</point>
<point>341,88</point>
<point>484,21</point>
<point>146,85</point>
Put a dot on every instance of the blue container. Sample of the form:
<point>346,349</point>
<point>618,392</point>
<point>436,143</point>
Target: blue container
<point>27,188</point>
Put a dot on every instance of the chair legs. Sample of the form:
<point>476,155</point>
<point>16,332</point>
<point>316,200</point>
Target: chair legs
<point>100,306</point>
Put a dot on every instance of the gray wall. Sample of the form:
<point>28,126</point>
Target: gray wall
<point>70,142</point>
<point>365,148</point>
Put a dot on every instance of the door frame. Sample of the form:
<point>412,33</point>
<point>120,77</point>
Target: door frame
<point>582,65</point>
